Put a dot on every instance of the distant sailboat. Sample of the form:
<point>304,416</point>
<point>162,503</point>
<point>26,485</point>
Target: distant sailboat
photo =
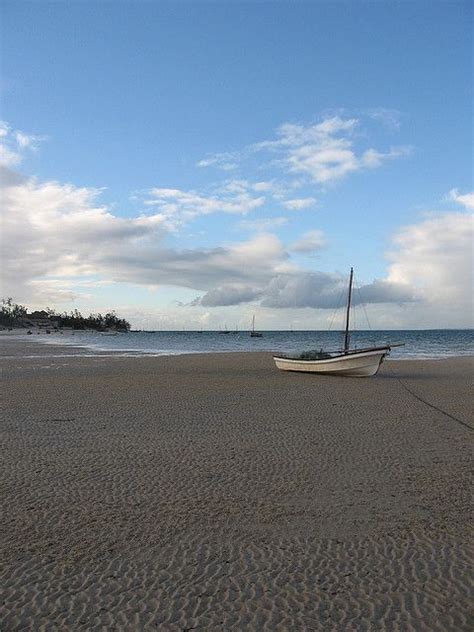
<point>253,333</point>
<point>225,330</point>
<point>351,363</point>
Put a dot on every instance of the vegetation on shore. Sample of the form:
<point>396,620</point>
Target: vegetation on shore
<point>14,315</point>
<point>11,313</point>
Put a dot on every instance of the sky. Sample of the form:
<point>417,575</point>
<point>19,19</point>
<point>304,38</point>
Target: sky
<point>192,164</point>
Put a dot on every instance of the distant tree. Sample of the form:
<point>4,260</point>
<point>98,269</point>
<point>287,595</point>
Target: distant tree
<point>11,313</point>
<point>51,312</point>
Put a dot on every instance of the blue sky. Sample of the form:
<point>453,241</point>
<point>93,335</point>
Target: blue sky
<point>221,102</point>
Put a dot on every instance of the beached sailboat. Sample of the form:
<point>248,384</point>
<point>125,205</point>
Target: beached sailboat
<point>347,362</point>
<point>253,333</point>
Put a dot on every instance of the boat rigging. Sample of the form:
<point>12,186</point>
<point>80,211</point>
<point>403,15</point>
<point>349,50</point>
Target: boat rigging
<point>351,363</point>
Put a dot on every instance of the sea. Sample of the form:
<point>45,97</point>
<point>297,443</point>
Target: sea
<point>434,343</point>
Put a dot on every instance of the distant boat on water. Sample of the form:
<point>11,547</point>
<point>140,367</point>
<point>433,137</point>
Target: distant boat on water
<point>347,362</point>
<point>225,330</point>
<point>253,333</point>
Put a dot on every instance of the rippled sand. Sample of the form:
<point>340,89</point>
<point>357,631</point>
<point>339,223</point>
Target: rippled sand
<point>216,493</point>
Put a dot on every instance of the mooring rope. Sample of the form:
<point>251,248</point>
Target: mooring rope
<point>424,401</point>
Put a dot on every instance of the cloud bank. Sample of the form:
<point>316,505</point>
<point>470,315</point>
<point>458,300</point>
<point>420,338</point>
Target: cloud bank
<point>56,234</point>
<point>324,152</point>
<point>58,239</point>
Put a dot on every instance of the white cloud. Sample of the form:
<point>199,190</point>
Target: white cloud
<point>264,224</point>
<point>436,256</point>
<point>176,206</point>
<point>298,204</point>
<point>229,295</point>
<point>27,141</point>
<point>226,161</point>
<point>325,162</point>
<point>244,186</point>
<point>332,159</point>
<point>234,186</point>
<point>55,235</point>
<point>52,231</point>
<point>310,242</point>
<point>58,240</point>
<point>326,291</point>
<point>8,157</point>
<point>262,186</point>
<point>299,289</point>
<point>429,281</point>
<point>388,117</point>
<point>325,152</point>
<point>294,135</point>
<point>373,158</point>
<point>13,142</point>
<point>465,199</point>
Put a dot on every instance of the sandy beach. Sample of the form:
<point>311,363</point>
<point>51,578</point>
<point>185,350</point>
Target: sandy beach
<point>213,492</point>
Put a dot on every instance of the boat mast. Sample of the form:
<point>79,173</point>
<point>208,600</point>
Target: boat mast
<point>253,323</point>
<point>349,297</point>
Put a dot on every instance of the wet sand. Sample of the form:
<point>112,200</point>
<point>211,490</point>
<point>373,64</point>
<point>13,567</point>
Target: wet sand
<point>213,492</point>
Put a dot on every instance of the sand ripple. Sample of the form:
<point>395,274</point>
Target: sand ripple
<point>218,494</point>
<point>284,584</point>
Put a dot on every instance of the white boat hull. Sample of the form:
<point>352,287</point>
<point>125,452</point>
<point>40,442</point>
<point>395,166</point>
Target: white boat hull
<point>354,364</point>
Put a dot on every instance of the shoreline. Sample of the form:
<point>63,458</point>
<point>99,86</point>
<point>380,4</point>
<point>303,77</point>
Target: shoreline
<point>212,491</point>
<point>71,350</point>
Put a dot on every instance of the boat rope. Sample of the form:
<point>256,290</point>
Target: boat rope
<point>353,318</point>
<point>362,302</point>
<point>424,401</point>
<point>337,308</point>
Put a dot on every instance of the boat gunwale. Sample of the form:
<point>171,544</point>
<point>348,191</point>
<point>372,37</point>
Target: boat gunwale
<point>359,352</point>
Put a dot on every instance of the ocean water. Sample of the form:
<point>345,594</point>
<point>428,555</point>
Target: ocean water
<point>417,344</point>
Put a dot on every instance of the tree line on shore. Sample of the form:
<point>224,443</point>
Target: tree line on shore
<point>14,315</point>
